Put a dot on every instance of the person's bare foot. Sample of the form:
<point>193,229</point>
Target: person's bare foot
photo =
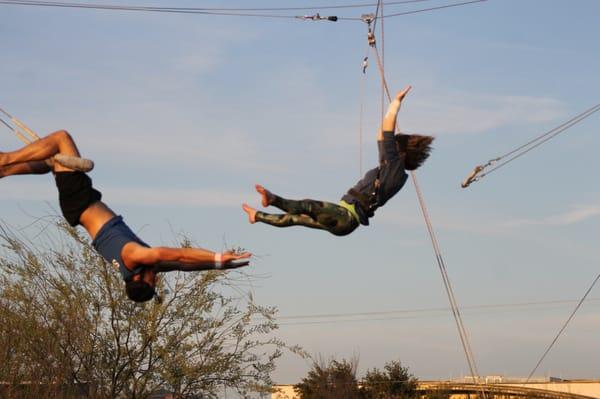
<point>251,213</point>
<point>76,163</point>
<point>267,197</point>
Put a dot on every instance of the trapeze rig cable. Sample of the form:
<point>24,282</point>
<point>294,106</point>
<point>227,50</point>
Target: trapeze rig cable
<point>479,172</point>
<point>68,161</point>
<point>17,126</point>
<point>462,331</point>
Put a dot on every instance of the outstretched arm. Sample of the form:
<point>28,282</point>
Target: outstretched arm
<point>389,121</point>
<point>184,259</point>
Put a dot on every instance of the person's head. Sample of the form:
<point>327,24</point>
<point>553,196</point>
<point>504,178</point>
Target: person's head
<point>415,148</point>
<point>141,286</point>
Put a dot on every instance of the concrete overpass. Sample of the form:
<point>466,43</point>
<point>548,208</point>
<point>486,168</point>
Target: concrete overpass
<point>550,389</point>
<point>544,390</point>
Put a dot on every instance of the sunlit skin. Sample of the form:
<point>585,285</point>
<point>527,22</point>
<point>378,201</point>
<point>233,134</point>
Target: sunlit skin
<point>31,159</point>
<point>388,125</point>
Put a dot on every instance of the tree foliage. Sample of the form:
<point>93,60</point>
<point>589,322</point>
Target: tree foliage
<point>394,382</point>
<point>337,379</point>
<point>66,323</point>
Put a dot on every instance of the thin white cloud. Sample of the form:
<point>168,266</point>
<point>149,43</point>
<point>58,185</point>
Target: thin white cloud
<point>157,196</point>
<point>161,196</point>
<point>28,190</point>
<point>576,215</point>
<point>453,113</point>
<point>214,147</point>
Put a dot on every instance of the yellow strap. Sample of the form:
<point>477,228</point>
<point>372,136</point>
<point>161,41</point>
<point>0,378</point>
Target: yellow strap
<point>351,208</point>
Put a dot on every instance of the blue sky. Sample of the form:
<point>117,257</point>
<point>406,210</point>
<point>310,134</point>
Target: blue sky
<point>184,113</point>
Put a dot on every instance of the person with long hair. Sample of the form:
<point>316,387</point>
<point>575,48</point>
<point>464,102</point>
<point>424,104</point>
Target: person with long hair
<point>397,154</point>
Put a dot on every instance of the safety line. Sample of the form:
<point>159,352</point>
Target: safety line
<point>253,9</point>
<point>551,134</point>
<point>215,11</point>
<point>464,338</point>
<point>363,85</point>
<point>479,172</point>
<point>449,291</point>
<point>473,309</point>
<point>464,3</point>
<point>563,327</point>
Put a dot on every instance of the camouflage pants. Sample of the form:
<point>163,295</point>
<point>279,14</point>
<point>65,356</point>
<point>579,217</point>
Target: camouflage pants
<point>310,213</point>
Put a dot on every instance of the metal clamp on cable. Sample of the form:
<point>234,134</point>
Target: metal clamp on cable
<point>368,19</point>
<point>318,17</point>
<point>472,176</point>
<point>475,174</point>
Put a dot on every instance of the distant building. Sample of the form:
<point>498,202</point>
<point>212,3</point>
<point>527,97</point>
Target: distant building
<point>497,386</point>
<point>284,392</point>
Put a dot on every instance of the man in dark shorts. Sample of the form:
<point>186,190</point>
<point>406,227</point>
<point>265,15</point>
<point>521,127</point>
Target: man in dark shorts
<point>81,204</point>
<point>397,153</point>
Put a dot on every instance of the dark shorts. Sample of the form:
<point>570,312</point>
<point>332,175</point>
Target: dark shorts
<point>75,194</point>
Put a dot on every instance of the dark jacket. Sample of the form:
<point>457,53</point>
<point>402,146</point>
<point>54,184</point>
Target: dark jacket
<point>381,183</point>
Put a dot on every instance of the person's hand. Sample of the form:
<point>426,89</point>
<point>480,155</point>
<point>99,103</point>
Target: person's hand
<point>234,264</point>
<point>232,259</point>
<point>230,256</point>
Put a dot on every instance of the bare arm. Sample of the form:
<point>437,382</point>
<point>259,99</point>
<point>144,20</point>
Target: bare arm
<point>389,121</point>
<point>166,259</point>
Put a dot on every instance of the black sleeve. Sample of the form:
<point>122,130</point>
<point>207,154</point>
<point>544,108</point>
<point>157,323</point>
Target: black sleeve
<point>388,151</point>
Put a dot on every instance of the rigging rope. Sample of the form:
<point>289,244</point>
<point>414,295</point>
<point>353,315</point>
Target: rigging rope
<point>365,65</point>
<point>69,161</point>
<point>321,7</point>
<point>464,338</point>
<point>17,126</point>
<point>239,12</point>
<point>476,174</point>
<point>563,327</point>
<point>464,3</point>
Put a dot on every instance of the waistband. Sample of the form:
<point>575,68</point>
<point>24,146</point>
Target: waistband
<point>351,208</point>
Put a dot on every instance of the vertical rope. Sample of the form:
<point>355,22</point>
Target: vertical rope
<point>382,59</point>
<point>361,113</point>
<point>462,332</point>
<point>449,291</point>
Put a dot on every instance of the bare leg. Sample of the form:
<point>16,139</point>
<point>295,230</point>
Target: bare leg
<point>59,142</point>
<point>288,219</point>
<point>25,168</point>
<point>309,213</point>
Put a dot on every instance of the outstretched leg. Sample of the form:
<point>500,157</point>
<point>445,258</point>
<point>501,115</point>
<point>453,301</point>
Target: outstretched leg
<point>58,143</point>
<point>25,168</point>
<point>309,213</point>
<point>287,220</point>
<point>295,207</point>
